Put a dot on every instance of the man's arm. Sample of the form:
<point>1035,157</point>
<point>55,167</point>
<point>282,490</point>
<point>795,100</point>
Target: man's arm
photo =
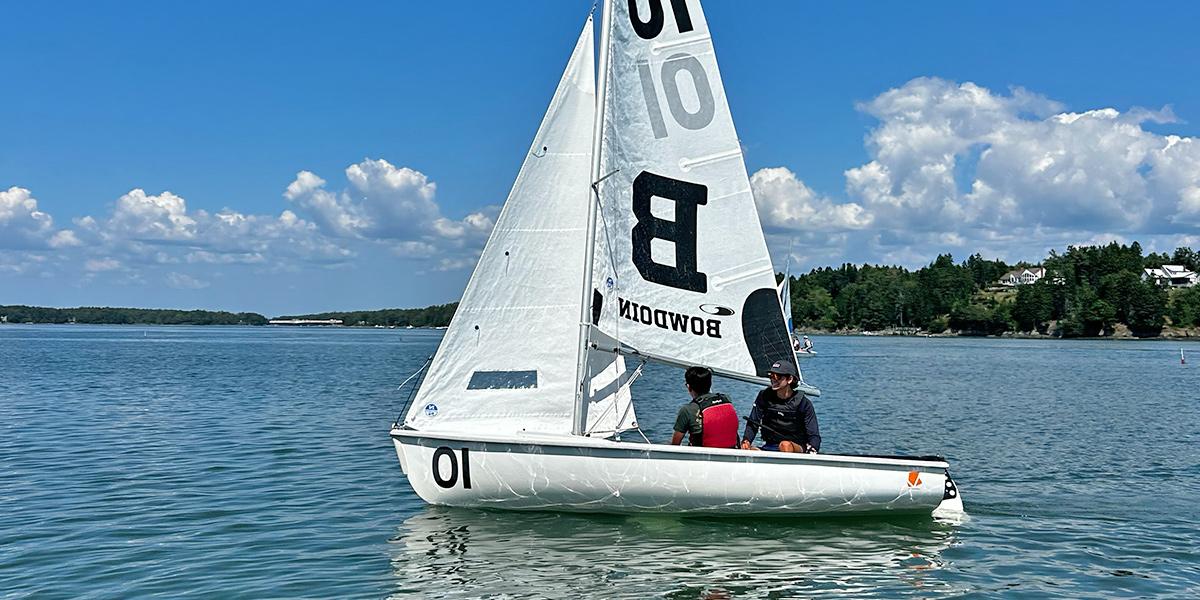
<point>683,424</point>
<point>810,425</point>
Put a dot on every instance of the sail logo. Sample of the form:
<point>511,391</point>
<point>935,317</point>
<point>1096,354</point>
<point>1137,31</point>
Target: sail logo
<point>669,320</point>
<point>714,309</point>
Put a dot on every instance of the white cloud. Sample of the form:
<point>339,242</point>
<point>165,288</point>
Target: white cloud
<point>385,209</point>
<point>24,227</point>
<point>384,203</point>
<point>149,218</point>
<point>784,202</point>
<point>949,155</point>
<point>96,265</point>
<point>160,229</point>
<point>181,281</point>
<point>958,167</point>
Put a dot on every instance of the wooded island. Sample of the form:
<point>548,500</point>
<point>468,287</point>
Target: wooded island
<point>1085,291</point>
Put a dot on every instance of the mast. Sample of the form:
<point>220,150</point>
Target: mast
<point>579,420</point>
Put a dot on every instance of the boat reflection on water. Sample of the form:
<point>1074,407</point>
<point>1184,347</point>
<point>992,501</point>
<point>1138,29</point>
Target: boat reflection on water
<point>452,552</point>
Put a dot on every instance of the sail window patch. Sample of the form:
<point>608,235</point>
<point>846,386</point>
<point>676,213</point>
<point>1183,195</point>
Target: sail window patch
<point>502,380</point>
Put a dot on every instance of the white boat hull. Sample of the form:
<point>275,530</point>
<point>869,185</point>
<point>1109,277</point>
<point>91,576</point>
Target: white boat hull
<point>803,354</point>
<point>527,472</point>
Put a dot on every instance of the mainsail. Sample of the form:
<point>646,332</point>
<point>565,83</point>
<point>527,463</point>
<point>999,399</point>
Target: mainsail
<point>681,271</point>
<point>508,360</point>
<point>785,299</point>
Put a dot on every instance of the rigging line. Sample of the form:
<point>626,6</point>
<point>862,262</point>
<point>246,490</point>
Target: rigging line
<point>643,434</point>
<point>608,249</point>
<point>628,407</point>
<point>412,392</point>
<point>616,396</point>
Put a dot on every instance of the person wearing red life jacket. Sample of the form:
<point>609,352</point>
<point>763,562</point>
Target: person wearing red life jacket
<point>709,420</point>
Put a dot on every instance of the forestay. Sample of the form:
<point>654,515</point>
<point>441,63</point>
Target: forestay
<point>507,362</point>
<point>681,270</point>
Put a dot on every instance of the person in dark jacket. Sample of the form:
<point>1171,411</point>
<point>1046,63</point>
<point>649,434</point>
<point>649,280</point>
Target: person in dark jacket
<point>785,415</point>
<point>709,419</point>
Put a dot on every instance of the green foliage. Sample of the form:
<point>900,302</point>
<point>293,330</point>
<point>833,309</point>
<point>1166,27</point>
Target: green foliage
<point>1034,306</point>
<point>430,316</point>
<point>979,319</point>
<point>945,283</point>
<point>1185,307</point>
<point>1088,264</point>
<point>938,325</point>
<point>1186,257</point>
<point>985,272</point>
<point>1147,307</point>
<point>1087,289</point>
<point>127,316</point>
<point>1117,289</point>
<point>814,306</point>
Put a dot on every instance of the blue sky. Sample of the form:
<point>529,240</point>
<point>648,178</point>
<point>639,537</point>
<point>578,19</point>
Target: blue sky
<point>148,148</point>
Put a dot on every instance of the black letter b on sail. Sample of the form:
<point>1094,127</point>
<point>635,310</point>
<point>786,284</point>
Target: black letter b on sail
<point>681,232</point>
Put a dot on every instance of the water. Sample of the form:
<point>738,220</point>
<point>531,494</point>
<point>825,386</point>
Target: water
<point>192,462</point>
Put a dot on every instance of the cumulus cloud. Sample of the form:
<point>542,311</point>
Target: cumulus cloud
<point>945,154</point>
<point>141,217</point>
<point>147,236</point>
<point>386,203</point>
<point>160,229</point>
<point>96,265</point>
<point>181,281</point>
<point>785,202</point>
<point>24,227</point>
<point>959,166</point>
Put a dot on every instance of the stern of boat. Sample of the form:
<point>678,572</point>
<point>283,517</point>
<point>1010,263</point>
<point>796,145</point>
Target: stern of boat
<point>951,506</point>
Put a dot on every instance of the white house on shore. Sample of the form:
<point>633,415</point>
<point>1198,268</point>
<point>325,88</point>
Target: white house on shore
<point>1024,276</point>
<point>1171,276</point>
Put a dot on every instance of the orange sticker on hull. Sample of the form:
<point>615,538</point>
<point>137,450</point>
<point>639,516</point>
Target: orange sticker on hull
<point>914,479</point>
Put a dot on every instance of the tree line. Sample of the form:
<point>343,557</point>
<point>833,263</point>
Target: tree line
<point>430,316</point>
<point>1086,291</point>
<point>96,315</point>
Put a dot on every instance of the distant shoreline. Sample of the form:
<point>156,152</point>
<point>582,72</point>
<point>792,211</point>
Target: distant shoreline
<point>1192,335</point>
<point>429,317</point>
<point>1182,336</point>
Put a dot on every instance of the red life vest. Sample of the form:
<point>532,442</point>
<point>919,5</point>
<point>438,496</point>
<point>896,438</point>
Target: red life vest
<point>720,426</point>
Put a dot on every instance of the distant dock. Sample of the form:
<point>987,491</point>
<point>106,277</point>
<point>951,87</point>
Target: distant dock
<point>318,322</point>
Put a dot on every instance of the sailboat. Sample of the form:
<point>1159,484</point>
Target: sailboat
<point>785,299</point>
<point>630,235</point>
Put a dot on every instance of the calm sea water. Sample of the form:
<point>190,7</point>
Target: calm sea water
<point>193,462</point>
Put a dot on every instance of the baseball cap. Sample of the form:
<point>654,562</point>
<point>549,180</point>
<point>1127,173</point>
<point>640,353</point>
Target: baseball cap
<point>784,368</point>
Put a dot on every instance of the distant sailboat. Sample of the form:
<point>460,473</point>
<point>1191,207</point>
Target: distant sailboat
<point>785,299</point>
<point>629,234</point>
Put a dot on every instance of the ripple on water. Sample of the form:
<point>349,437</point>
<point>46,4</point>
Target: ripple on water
<point>251,462</point>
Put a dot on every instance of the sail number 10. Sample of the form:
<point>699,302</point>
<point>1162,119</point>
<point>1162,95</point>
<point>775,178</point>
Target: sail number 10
<point>451,479</point>
<point>680,62</point>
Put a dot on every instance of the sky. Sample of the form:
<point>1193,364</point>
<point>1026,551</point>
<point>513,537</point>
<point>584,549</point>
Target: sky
<point>302,157</point>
